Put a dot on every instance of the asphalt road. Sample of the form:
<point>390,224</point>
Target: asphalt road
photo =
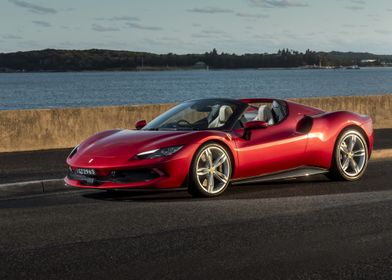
<point>50,164</point>
<point>300,229</point>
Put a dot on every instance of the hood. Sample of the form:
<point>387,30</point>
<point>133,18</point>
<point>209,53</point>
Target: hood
<point>128,143</point>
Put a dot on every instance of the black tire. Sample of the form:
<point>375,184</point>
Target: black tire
<point>337,171</point>
<point>111,192</point>
<point>195,186</point>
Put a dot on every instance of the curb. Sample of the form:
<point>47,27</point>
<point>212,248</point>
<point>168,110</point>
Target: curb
<point>32,187</point>
<point>381,154</point>
<point>55,185</point>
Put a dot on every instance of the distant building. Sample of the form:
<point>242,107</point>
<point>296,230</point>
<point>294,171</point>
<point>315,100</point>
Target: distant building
<point>368,61</point>
<point>200,65</point>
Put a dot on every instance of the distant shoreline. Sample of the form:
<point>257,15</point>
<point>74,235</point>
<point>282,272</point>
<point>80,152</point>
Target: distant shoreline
<point>160,69</point>
<point>56,60</point>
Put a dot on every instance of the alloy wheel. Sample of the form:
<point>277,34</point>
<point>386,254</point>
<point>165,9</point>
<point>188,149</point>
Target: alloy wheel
<point>213,169</point>
<point>352,155</point>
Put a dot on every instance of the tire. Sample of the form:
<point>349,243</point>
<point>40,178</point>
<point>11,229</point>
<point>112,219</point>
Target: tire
<point>350,157</point>
<point>111,192</point>
<point>205,180</point>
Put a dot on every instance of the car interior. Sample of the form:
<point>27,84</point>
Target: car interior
<point>270,112</point>
<point>224,114</point>
<point>212,116</point>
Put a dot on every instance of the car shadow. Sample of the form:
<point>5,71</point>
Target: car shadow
<point>307,186</point>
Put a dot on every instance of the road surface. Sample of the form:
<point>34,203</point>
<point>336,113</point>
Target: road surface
<point>300,229</point>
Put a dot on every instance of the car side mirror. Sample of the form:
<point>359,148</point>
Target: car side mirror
<point>255,125</point>
<point>249,126</point>
<point>140,124</point>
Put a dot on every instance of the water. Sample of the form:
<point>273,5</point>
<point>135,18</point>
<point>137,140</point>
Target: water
<point>81,89</point>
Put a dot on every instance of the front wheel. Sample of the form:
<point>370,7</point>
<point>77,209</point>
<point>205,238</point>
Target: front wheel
<point>350,156</point>
<point>210,171</point>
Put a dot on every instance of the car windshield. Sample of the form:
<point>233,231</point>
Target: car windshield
<point>198,115</point>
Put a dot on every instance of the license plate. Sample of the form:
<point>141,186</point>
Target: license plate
<point>85,171</point>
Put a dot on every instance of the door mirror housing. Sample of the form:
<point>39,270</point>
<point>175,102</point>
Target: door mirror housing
<point>252,125</point>
<point>140,124</point>
<point>255,125</point>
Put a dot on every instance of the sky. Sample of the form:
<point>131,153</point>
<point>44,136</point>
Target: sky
<point>189,26</point>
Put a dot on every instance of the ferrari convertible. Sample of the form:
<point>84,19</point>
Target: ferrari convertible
<point>207,144</point>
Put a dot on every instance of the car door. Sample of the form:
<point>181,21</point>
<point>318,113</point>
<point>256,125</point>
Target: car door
<point>272,149</point>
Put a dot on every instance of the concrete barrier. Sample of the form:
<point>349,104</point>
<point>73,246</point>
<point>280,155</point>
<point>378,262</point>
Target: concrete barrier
<point>378,107</point>
<point>28,130</point>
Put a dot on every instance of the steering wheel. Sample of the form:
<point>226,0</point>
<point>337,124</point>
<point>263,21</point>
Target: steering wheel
<point>184,123</point>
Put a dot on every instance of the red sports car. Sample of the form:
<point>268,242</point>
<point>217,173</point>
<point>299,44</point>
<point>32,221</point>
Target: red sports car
<point>204,145</point>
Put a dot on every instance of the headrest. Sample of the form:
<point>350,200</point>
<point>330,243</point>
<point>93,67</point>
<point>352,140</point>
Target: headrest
<point>224,113</point>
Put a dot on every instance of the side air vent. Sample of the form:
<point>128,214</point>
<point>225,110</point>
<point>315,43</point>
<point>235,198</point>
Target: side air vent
<point>305,125</point>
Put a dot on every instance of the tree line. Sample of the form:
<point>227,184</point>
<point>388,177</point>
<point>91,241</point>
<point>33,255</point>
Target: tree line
<point>99,59</point>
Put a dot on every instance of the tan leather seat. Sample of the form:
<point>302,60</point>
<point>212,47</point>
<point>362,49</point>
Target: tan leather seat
<point>225,113</point>
<point>264,114</point>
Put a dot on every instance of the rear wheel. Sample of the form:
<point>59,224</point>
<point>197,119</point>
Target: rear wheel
<point>210,171</point>
<point>350,156</point>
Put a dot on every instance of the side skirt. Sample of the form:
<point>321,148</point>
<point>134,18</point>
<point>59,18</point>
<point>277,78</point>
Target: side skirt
<point>303,171</point>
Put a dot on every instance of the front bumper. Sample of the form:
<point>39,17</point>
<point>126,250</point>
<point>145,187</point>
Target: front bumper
<point>142,178</point>
<point>159,173</point>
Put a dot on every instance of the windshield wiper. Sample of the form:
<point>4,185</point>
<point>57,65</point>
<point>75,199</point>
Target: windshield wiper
<point>152,129</point>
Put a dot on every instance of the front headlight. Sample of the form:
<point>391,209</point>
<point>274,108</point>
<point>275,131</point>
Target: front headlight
<point>74,150</point>
<point>163,152</point>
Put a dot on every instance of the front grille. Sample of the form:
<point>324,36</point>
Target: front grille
<point>129,176</point>
<point>115,176</point>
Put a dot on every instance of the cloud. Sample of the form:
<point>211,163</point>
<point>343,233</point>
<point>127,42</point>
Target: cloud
<point>11,37</point>
<point>354,8</point>
<point>210,10</point>
<point>168,38</point>
<point>278,3</point>
<point>251,15</point>
<point>120,18</point>
<point>209,31</point>
<point>383,31</point>
<point>100,28</point>
<point>344,32</point>
<point>200,35</point>
<point>362,2</point>
<point>143,27</point>
<point>42,23</point>
<point>33,7</point>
